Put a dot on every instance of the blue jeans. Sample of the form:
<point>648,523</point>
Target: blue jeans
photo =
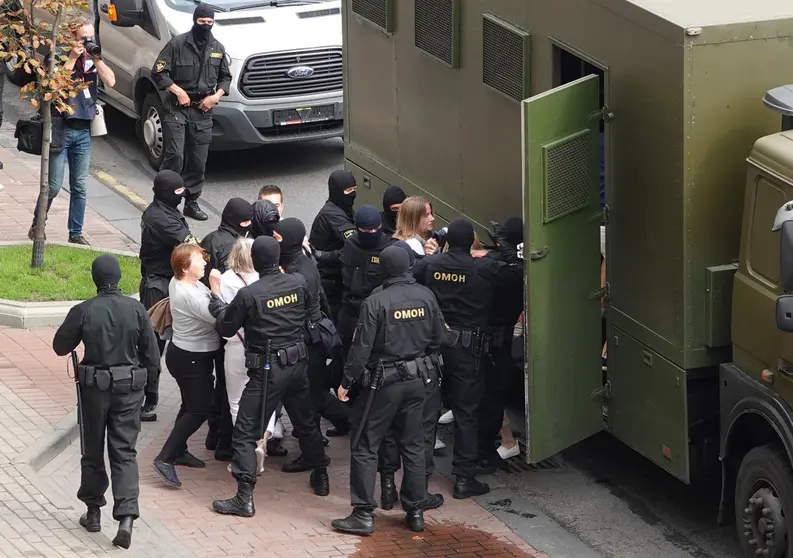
<point>77,152</point>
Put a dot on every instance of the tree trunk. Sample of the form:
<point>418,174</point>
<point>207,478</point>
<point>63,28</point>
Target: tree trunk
<point>44,174</point>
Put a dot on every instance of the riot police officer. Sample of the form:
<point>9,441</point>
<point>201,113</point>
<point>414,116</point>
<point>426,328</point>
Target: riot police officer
<point>466,288</point>
<point>331,227</point>
<point>398,329</point>
<point>235,222</point>
<point>265,218</point>
<point>194,69</point>
<point>273,311</point>
<point>162,228</point>
<point>120,357</point>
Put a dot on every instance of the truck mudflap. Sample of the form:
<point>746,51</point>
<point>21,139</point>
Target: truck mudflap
<point>741,397</point>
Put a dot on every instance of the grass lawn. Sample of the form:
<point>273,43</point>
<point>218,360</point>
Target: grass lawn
<point>66,274</point>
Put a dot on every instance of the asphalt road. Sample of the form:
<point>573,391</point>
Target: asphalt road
<point>599,496</point>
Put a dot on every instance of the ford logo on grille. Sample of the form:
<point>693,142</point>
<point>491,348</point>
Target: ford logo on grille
<point>299,72</point>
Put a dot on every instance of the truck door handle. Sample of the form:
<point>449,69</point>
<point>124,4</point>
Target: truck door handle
<point>103,7</point>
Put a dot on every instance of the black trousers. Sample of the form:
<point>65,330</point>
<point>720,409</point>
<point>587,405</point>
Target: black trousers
<point>187,139</point>
<point>152,290</point>
<point>220,415</point>
<point>396,406</point>
<point>117,416</point>
<point>193,375</point>
<point>323,404</point>
<point>388,456</point>
<point>463,385</point>
<point>497,370</point>
<point>288,384</point>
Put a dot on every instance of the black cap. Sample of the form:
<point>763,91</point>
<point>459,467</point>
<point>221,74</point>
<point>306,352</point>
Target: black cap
<point>394,262</point>
<point>203,10</point>
<point>106,272</point>
<point>265,253</point>
<point>367,217</point>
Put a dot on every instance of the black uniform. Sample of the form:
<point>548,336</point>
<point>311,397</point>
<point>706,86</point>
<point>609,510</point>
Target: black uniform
<point>500,368</point>
<point>218,245</point>
<point>399,328</point>
<point>273,313</point>
<point>120,356</point>
<point>294,260</point>
<point>332,225</point>
<point>162,228</point>
<point>196,62</point>
<point>466,288</point>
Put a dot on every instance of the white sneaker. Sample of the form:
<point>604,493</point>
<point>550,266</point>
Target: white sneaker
<point>439,445</point>
<point>508,453</point>
<point>446,418</point>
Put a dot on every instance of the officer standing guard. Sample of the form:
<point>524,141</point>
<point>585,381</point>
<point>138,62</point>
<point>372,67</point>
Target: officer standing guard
<point>120,356</point>
<point>162,228</point>
<point>398,329</point>
<point>273,311</point>
<point>194,69</point>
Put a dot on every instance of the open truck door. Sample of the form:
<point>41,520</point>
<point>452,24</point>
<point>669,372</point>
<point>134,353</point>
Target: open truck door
<point>561,208</point>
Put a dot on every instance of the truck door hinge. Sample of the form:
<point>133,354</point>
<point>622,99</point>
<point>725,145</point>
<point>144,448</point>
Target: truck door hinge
<point>601,216</point>
<point>603,393</point>
<point>539,254</point>
<point>605,114</point>
<point>603,292</point>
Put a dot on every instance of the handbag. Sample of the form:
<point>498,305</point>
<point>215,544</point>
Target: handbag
<point>29,134</point>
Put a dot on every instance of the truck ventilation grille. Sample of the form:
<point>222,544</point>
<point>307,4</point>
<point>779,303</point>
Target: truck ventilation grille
<point>506,57</point>
<point>568,168</point>
<point>379,12</point>
<point>265,76</point>
<point>240,20</point>
<point>438,29</point>
<point>319,13</point>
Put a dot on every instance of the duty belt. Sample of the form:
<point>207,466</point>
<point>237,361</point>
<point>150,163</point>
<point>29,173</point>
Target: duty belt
<point>475,339</point>
<point>286,356</point>
<point>425,367</point>
<point>120,379</point>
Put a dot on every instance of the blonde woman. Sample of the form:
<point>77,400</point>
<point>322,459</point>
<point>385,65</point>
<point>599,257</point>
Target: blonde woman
<point>414,226</point>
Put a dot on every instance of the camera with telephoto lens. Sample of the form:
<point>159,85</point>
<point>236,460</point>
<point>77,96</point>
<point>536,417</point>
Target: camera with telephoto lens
<point>91,47</point>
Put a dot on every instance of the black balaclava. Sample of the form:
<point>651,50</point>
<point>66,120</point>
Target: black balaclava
<point>367,217</point>
<point>339,181</point>
<point>106,273</point>
<point>461,234</point>
<point>408,249</point>
<point>513,231</point>
<point>237,210</point>
<point>166,182</point>
<point>392,195</point>
<point>265,253</point>
<point>265,218</point>
<point>394,262</point>
<point>292,231</point>
<point>202,32</point>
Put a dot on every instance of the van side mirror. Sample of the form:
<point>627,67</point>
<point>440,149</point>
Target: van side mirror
<point>784,313</point>
<point>786,256</point>
<point>124,13</point>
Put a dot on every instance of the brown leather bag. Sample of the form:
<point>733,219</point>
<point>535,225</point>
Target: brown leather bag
<point>160,316</point>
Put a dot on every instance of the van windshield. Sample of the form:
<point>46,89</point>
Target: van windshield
<point>188,6</point>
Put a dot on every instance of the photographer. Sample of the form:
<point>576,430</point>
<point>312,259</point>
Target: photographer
<point>86,64</point>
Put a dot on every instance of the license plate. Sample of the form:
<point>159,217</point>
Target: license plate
<point>303,115</point>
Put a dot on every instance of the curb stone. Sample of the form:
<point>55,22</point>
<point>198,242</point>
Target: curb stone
<point>50,445</point>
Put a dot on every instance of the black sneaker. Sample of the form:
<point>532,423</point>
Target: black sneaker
<point>192,210</point>
<point>168,473</point>
<point>79,239</point>
<point>189,460</point>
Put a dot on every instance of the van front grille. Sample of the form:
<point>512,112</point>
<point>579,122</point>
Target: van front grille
<point>267,75</point>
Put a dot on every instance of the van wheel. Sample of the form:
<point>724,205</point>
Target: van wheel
<point>764,503</point>
<point>17,76</point>
<point>153,131</point>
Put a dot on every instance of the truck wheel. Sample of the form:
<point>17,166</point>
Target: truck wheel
<point>154,133</point>
<point>17,76</point>
<point>764,503</point>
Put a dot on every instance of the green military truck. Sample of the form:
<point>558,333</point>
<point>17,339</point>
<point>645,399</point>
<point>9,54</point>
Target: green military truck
<point>489,106</point>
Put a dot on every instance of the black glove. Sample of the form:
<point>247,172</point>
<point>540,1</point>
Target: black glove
<point>216,306</point>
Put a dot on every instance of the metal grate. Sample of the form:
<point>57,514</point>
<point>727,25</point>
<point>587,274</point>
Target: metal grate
<point>266,75</point>
<point>505,57</point>
<point>319,13</point>
<point>568,186</point>
<point>437,29</point>
<point>240,20</point>
<point>379,12</point>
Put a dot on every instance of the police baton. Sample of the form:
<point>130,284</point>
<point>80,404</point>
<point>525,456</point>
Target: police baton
<point>265,377</point>
<point>373,387</point>
<point>80,426</point>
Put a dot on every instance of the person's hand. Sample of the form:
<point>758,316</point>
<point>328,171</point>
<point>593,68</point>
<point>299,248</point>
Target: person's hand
<point>77,51</point>
<point>208,102</point>
<point>181,95</point>
<point>216,306</point>
<point>342,394</point>
<point>306,245</point>
<point>430,247</point>
<point>214,281</point>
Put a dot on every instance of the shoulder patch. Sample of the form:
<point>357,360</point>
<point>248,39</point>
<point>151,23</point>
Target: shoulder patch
<point>348,233</point>
<point>216,55</point>
<point>159,66</point>
<point>190,239</point>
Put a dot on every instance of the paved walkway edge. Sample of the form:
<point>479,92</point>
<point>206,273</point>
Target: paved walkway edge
<point>50,445</point>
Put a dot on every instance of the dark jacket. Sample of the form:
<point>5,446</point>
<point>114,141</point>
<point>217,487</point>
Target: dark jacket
<point>361,270</point>
<point>299,263</point>
<point>508,305</point>
<point>218,245</point>
<point>330,229</point>
<point>115,331</point>
<point>199,72</point>
<point>163,228</point>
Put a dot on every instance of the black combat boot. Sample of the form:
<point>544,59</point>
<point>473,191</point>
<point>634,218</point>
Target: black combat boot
<point>388,491</point>
<point>147,413</point>
<point>415,520</point>
<point>241,505</point>
<point>91,520</point>
<point>320,481</point>
<point>192,210</point>
<point>124,536</point>
<point>275,448</point>
<point>467,487</point>
<point>359,522</point>
<point>433,500</point>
